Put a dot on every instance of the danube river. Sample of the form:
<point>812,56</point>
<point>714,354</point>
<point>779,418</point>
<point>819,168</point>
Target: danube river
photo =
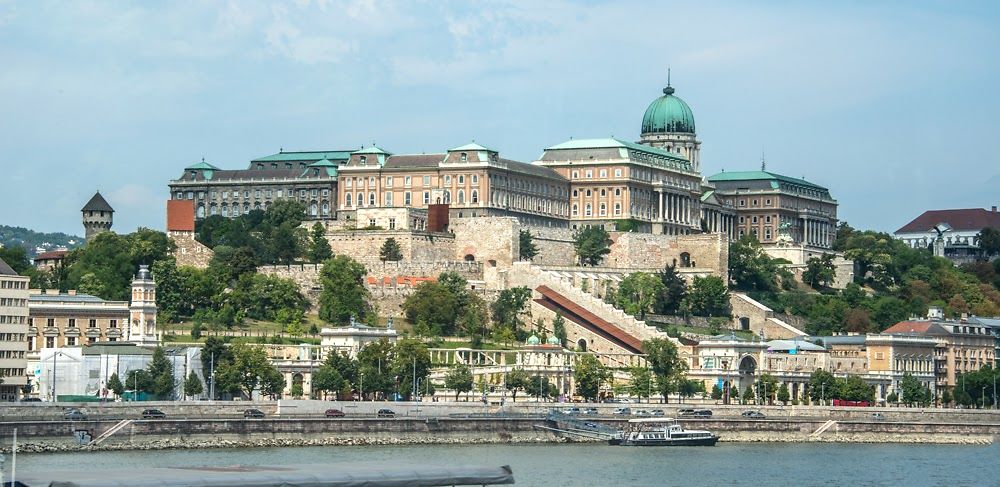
<point>757,464</point>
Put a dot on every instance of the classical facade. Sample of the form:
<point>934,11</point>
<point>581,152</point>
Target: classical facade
<point>963,346</point>
<point>308,177</point>
<point>13,332</point>
<point>949,233</point>
<point>473,180</point>
<point>777,208</point>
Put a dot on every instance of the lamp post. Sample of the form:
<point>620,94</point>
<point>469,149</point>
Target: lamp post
<point>55,355</point>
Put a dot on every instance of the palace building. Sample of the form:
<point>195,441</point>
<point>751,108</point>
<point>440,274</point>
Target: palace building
<point>654,185</point>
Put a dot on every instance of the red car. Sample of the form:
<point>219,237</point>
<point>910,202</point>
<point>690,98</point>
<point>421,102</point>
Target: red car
<point>334,413</point>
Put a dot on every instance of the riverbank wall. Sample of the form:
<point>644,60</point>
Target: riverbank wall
<point>215,433</point>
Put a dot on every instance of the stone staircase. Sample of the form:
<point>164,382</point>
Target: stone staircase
<point>532,276</point>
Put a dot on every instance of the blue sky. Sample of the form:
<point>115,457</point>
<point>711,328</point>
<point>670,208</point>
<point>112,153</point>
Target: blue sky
<point>892,106</point>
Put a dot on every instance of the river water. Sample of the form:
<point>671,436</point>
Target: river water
<point>757,464</point>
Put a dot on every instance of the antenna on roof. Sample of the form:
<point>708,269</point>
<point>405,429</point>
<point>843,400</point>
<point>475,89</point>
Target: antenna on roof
<point>763,162</point>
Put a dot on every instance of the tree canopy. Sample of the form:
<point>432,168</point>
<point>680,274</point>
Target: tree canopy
<point>592,244</point>
<point>344,293</point>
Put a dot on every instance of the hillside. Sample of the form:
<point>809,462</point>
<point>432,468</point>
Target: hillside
<point>36,242</point>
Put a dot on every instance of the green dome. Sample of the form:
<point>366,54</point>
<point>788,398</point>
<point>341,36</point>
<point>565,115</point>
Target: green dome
<point>668,114</point>
<point>533,340</point>
<point>553,340</point>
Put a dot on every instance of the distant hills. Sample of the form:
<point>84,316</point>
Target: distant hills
<point>37,242</point>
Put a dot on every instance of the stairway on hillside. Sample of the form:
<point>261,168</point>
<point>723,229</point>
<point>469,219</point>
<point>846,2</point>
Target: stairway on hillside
<point>533,276</point>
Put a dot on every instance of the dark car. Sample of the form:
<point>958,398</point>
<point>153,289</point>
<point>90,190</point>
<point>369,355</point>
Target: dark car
<point>153,414</point>
<point>334,413</point>
<point>253,413</point>
<point>31,399</point>
<point>696,413</point>
<point>74,415</point>
<point>386,413</point>
<point>752,414</point>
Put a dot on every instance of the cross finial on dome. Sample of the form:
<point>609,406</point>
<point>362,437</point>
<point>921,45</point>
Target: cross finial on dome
<point>669,90</point>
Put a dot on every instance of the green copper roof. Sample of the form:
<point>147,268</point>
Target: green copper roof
<point>611,142</point>
<point>534,340</point>
<point>762,176</point>
<point>201,165</point>
<point>471,147</point>
<point>667,114</point>
<point>327,166</point>
<point>337,155</point>
<point>372,149</point>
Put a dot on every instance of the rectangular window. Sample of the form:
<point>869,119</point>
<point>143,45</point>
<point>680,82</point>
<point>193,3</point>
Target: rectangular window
<point>447,180</point>
<point>72,322</point>
<point>388,181</point>
<point>406,198</point>
<point>388,199</point>
<point>753,219</point>
<point>50,342</point>
<point>604,173</point>
<point>427,181</point>
<point>92,324</point>
<point>461,179</point>
<point>475,179</point>
<point>406,181</point>
<point>392,224</point>
<point>113,324</point>
<point>71,341</point>
<point>371,222</point>
<point>618,173</point>
<point>427,197</point>
<point>349,183</point>
<point>50,322</point>
<point>589,174</point>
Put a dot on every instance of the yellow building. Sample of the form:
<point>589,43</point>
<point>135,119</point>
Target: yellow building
<point>963,346</point>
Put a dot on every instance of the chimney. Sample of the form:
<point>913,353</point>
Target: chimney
<point>993,209</point>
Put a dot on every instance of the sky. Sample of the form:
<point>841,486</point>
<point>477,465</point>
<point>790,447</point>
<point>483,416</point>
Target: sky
<point>892,105</point>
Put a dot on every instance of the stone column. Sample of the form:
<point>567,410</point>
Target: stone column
<point>659,214</point>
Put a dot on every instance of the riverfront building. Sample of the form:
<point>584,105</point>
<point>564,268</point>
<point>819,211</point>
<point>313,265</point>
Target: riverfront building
<point>953,234</point>
<point>963,346</point>
<point>13,330</point>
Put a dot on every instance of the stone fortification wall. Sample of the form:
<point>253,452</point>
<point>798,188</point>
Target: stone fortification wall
<point>493,241</point>
<point>709,252</point>
<point>555,246</point>
<point>190,252</point>
<point>307,275</point>
<point>751,315</point>
<point>364,245</point>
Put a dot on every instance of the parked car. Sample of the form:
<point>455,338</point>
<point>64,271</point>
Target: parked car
<point>31,399</point>
<point>641,412</point>
<point>623,411</point>
<point>571,410</point>
<point>685,412</point>
<point>697,413</point>
<point>153,414</point>
<point>74,415</point>
<point>592,411</point>
<point>878,417</point>
<point>658,412</point>
<point>386,413</point>
<point>253,413</point>
<point>752,414</point>
<point>334,413</point>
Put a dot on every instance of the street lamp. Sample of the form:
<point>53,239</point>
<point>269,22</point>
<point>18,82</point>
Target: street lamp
<point>55,354</point>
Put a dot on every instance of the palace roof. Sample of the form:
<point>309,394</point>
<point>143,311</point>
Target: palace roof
<point>762,176</point>
<point>5,269</point>
<point>305,156</point>
<point>969,219</point>
<point>97,203</point>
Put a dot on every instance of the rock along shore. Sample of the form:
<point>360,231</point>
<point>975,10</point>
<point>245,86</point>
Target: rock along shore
<point>728,437</point>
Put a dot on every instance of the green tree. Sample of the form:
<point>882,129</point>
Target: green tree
<point>509,306</point>
<point>674,291</point>
<point>193,386</point>
<point>272,383</point>
<point>708,297</point>
<point>641,382</point>
<point>319,247</point>
<point>161,373</point>
<point>820,271</point>
<point>517,379</point>
<point>854,388</point>
<point>526,246</point>
<point>111,261</point>
<point>337,374</point>
<point>767,386</point>
<point>666,363</point>
<point>734,393</point>
<point>541,388</point>
<point>750,268</point>
<point>892,398</point>
<point>375,368</point>
<point>716,392</point>
<point>946,398</point>
<point>989,241</point>
<point>589,375</point>
<point>822,386</point>
<point>637,293</point>
<point>559,329</point>
<point>260,296</point>
<point>592,244</point>
<point>17,258</point>
<point>783,394</point>
<point>748,395</point>
<point>411,362</point>
<point>115,385</point>
<point>344,293</point>
<point>390,251</point>
<point>912,389</point>
<point>246,371</point>
<point>459,379</point>
<point>433,304</point>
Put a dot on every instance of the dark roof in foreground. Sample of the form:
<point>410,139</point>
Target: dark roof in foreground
<point>319,475</point>
<point>5,269</point>
<point>959,220</point>
<point>97,203</point>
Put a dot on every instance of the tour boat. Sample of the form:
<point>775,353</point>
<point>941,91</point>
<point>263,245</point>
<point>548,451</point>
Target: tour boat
<point>661,432</point>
